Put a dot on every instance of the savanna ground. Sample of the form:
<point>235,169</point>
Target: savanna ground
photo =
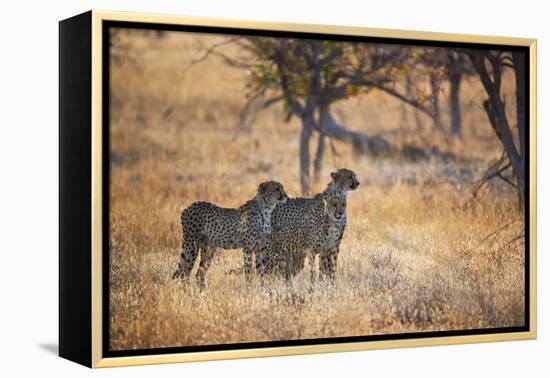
<point>419,254</point>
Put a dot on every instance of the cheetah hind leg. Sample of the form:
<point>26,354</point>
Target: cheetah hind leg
<point>189,251</point>
<point>207,254</point>
<point>312,272</point>
<point>263,270</point>
<point>248,254</point>
<point>288,256</point>
<point>262,260</point>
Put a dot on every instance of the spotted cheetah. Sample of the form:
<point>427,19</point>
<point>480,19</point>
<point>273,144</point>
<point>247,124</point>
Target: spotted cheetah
<point>206,227</point>
<point>295,219</point>
<point>320,233</point>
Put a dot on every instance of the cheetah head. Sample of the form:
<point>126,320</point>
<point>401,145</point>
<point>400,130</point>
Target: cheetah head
<point>335,208</point>
<point>343,180</point>
<point>271,193</point>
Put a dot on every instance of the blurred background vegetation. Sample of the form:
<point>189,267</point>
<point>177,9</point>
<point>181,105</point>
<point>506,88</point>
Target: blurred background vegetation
<point>307,79</point>
<point>435,237</point>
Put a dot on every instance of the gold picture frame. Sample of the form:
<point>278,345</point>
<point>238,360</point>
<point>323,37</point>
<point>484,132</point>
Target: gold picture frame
<point>89,330</point>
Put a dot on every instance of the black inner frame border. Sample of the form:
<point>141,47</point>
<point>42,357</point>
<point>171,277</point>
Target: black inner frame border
<point>106,25</point>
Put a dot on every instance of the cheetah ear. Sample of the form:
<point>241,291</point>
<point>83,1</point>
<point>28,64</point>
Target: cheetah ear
<point>262,188</point>
<point>333,175</point>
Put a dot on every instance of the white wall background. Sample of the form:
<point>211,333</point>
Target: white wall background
<point>28,185</point>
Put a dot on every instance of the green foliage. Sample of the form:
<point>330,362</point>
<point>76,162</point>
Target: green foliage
<point>307,74</point>
<point>329,71</point>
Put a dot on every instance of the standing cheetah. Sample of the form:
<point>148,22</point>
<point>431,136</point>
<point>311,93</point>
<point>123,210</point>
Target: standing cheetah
<point>320,232</point>
<point>328,243</point>
<point>296,218</point>
<point>206,227</point>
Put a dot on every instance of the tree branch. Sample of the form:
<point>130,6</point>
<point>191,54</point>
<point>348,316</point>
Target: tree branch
<point>495,170</point>
<point>209,51</point>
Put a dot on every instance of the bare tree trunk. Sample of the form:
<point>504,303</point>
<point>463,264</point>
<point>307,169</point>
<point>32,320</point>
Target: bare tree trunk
<point>318,162</point>
<point>416,113</point>
<point>496,111</point>
<point>519,71</point>
<point>454,101</point>
<point>328,127</point>
<point>361,142</point>
<point>305,135</point>
<point>435,87</point>
<point>308,116</point>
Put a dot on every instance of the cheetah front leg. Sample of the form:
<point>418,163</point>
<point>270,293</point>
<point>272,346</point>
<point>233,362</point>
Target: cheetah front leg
<point>266,260</point>
<point>261,259</point>
<point>249,251</point>
<point>288,259</point>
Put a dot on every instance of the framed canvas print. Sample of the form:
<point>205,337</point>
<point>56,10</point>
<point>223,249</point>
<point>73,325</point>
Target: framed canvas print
<point>236,189</point>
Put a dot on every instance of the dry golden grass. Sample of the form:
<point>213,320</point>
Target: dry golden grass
<point>413,257</point>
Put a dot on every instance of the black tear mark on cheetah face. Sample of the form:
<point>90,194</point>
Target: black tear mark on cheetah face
<point>335,208</point>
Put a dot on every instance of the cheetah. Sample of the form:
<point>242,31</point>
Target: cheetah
<point>296,218</point>
<point>206,227</point>
<point>320,233</point>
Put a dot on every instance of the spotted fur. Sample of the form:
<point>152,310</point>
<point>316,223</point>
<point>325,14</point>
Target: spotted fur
<point>320,232</point>
<point>300,228</point>
<point>206,227</point>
